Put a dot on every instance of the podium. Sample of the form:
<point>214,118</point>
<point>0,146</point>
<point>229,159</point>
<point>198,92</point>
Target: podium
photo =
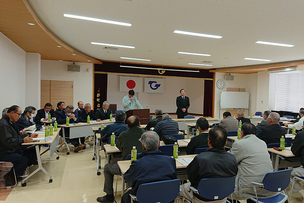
<point>143,115</point>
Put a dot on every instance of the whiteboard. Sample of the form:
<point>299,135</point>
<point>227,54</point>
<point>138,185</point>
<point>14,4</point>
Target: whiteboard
<point>234,100</point>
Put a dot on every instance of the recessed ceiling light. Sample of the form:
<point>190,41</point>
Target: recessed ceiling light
<point>113,45</point>
<point>199,64</point>
<point>197,34</point>
<point>196,54</point>
<point>31,24</point>
<point>59,60</point>
<point>255,59</point>
<point>89,60</point>
<point>274,44</point>
<point>59,46</point>
<point>73,54</point>
<point>137,59</point>
<point>96,20</point>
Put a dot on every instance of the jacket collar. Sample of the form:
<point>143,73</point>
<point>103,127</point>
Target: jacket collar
<point>154,152</point>
<point>216,150</point>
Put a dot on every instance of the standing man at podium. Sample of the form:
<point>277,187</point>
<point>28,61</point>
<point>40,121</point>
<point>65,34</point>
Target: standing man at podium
<point>182,103</point>
<point>130,102</point>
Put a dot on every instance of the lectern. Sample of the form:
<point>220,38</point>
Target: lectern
<point>143,115</point>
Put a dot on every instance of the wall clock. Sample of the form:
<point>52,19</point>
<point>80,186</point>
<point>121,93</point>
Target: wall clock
<point>220,84</point>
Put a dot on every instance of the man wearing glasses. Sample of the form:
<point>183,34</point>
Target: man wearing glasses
<point>11,148</point>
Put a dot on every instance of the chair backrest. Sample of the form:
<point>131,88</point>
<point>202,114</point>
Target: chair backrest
<point>258,113</point>
<point>118,111</point>
<point>281,123</point>
<point>178,136</point>
<point>271,145</point>
<point>129,156</point>
<point>288,117</point>
<point>288,141</point>
<point>277,181</point>
<point>199,150</point>
<point>160,191</point>
<point>214,124</point>
<point>216,188</point>
<point>189,117</point>
<point>166,149</point>
<point>232,133</point>
<point>258,131</point>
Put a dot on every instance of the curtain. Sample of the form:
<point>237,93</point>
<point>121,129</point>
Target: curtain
<point>208,98</point>
<point>100,89</point>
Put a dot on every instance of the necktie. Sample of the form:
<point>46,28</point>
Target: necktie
<point>184,100</point>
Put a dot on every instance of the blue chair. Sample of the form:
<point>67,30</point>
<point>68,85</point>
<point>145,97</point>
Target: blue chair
<point>281,123</point>
<point>293,182</point>
<point>189,117</point>
<point>271,145</point>
<point>275,182</point>
<point>118,111</point>
<point>214,124</point>
<point>258,113</point>
<point>129,156</point>
<point>150,118</point>
<point>288,141</point>
<point>232,133</point>
<point>288,117</point>
<point>199,150</point>
<point>178,136</point>
<point>160,191</point>
<point>166,149</point>
<point>258,131</point>
<point>215,188</point>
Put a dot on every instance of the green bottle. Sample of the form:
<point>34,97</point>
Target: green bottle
<point>282,142</point>
<point>51,129</point>
<point>67,121</point>
<point>250,115</point>
<point>47,132</point>
<point>55,126</point>
<point>197,132</point>
<point>49,117</point>
<point>133,154</point>
<point>111,115</point>
<point>88,119</point>
<point>293,130</point>
<point>175,150</point>
<point>112,139</point>
<point>239,130</point>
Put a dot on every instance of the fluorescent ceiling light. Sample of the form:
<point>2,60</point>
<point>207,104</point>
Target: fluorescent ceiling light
<point>113,45</point>
<point>59,46</point>
<point>199,64</point>
<point>282,70</point>
<point>196,54</point>
<point>274,44</point>
<point>196,34</point>
<point>137,59</point>
<point>31,24</point>
<point>96,20</point>
<point>147,68</point>
<point>254,59</point>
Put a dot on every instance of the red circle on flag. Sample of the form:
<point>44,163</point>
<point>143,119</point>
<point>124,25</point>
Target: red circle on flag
<point>131,84</point>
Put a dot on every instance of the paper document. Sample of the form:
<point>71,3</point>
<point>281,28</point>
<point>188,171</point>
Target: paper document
<point>117,148</point>
<point>184,161</point>
<point>288,148</point>
<point>186,141</point>
<point>31,129</point>
<point>38,139</point>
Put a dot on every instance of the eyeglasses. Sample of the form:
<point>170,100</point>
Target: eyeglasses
<point>19,114</point>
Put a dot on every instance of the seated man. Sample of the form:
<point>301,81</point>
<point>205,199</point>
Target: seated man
<point>118,127</point>
<point>273,132</point>
<point>152,165</point>
<point>201,140</point>
<point>253,163</point>
<point>298,117</point>
<point>158,118</point>
<point>264,123</point>
<point>125,143</point>
<point>25,119</point>
<point>104,112</point>
<point>213,163</point>
<point>4,111</point>
<point>298,125</point>
<point>11,149</point>
<point>240,117</point>
<point>61,119</point>
<point>84,113</point>
<point>166,127</point>
<point>229,123</point>
<point>43,114</point>
<point>80,107</point>
<point>60,106</point>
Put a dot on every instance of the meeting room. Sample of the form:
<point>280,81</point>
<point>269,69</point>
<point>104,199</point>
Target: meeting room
<point>151,101</point>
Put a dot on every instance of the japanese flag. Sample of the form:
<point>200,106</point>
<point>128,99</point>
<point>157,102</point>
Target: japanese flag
<point>131,83</point>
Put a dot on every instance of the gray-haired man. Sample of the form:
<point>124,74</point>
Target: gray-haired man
<point>158,115</point>
<point>104,112</point>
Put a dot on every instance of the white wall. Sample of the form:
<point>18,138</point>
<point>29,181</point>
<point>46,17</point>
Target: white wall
<point>167,100</point>
<point>83,80</point>
<point>12,77</point>
<point>33,75</point>
<point>262,92</point>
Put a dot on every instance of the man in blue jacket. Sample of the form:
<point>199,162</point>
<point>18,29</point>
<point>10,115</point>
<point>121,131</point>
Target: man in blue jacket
<point>25,119</point>
<point>118,127</point>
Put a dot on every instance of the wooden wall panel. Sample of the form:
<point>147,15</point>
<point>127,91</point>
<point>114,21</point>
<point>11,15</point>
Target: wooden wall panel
<point>61,91</point>
<point>45,92</point>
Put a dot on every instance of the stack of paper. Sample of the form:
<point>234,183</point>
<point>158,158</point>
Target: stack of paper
<point>185,161</point>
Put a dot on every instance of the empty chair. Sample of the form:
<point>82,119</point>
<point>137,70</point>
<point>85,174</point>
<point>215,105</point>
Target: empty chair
<point>160,191</point>
<point>232,133</point>
<point>166,149</point>
<point>288,117</point>
<point>215,188</point>
<point>276,182</point>
<point>199,150</point>
<point>178,136</point>
<point>189,117</point>
<point>258,113</point>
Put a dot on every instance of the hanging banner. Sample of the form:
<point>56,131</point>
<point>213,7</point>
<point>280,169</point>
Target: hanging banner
<point>154,85</point>
<point>131,83</point>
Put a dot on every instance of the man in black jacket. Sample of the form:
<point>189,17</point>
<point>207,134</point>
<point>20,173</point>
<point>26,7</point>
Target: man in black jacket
<point>158,115</point>
<point>201,140</point>
<point>104,112</point>
<point>42,114</point>
<point>240,117</point>
<point>87,111</point>
<point>166,127</point>
<point>25,119</point>
<point>60,106</point>
<point>213,163</point>
<point>182,103</point>
<point>273,132</point>
<point>11,149</point>
<point>80,107</point>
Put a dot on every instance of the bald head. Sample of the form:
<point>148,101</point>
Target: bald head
<point>132,121</point>
<point>273,118</point>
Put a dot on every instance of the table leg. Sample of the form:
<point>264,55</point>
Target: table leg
<point>94,146</point>
<point>276,165</point>
<point>188,131</point>
<point>64,142</point>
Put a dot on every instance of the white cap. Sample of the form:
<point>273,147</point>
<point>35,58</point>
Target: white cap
<point>134,147</point>
<point>112,133</point>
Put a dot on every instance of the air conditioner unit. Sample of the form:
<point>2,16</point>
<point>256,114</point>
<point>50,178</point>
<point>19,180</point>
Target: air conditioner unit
<point>229,77</point>
<point>74,68</point>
